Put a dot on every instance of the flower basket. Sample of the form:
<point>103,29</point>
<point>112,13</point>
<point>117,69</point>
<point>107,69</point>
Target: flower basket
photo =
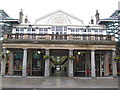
<point>46,57</point>
<point>71,57</point>
<point>117,58</point>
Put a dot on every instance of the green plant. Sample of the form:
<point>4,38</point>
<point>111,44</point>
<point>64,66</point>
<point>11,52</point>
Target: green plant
<point>116,58</point>
<point>46,56</point>
<point>71,57</point>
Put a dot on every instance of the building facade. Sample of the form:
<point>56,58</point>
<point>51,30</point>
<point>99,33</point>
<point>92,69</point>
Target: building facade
<point>6,23</point>
<point>59,42</point>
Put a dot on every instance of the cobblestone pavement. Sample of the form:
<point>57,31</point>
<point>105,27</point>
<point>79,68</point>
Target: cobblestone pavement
<point>58,82</point>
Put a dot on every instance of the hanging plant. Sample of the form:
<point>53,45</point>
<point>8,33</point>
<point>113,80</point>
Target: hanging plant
<point>117,58</point>
<point>46,56</point>
<point>71,57</point>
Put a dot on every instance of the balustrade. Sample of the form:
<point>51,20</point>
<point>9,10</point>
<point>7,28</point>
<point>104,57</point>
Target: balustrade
<point>58,37</point>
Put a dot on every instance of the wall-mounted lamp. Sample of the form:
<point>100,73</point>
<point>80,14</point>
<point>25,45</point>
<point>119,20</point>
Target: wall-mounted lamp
<point>7,51</point>
<point>79,53</point>
<point>38,52</point>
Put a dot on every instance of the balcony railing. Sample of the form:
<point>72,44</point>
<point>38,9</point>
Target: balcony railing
<point>58,37</point>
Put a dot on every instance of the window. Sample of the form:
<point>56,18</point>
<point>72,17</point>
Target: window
<point>21,29</point>
<point>60,32</point>
<point>53,28</point>
<point>45,29</point>
<point>77,29</point>
<point>100,30</point>
<point>96,30</point>
<point>29,29</point>
<point>65,28</point>
<point>89,30</point>
<point>84,30</point>
<point>40,29</point>
<point>65,32</point>
<point>17,29</point>
<point>59,28</point>
<point>18,61</point>
<point>72,30</point>
<point>33,29</point>
<point>80,64</point>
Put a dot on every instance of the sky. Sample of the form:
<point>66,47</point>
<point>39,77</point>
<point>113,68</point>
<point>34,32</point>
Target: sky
<point>82,9</point>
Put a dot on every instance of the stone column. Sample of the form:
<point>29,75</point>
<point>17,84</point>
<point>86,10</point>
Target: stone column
<point>3,64</point>
<point>106,64</point>
<point>47,64</point>
<point>93,74</point>
<point>67,67</point>
<point>70,71</point>
<point>100,64</point>
<point>11,62</point>
<point>114,64</point>
<point>24,69</point>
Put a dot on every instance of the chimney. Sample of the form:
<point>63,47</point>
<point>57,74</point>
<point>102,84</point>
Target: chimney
<point>92,21</point>
<point>97,16</point>
<point>26,20</point>
<point>21,16</point>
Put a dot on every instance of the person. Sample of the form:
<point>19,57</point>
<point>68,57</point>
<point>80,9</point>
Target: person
<point>65,69</point>
<point>88,72</point>
<point>28,70</point>
<point>52,69</point>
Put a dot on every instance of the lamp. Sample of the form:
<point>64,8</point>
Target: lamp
<point>79,53</point>
<point>7,51</point>
<point>38,52</point>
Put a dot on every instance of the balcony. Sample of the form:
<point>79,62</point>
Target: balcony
<point>58,37</point>
<point>58,41</point>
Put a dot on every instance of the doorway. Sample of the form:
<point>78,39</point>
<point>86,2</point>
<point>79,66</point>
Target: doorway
<point>59,66</point>
<point>59,63</point>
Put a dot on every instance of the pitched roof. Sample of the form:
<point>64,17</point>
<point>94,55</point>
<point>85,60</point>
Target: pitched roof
<point>57,11</point>
<point>4,17</point>
<point>3,14</point>
<point>115,17</point>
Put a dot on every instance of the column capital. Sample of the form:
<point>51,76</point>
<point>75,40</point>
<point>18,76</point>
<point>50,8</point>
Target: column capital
<point>4,47</point>
<point>70,49</point>
<point>47,49</point>
<point>92,49</point>
<point>114,49</point>
<point>47,52</point>
<point>25,48</point>
<point>70,52</point>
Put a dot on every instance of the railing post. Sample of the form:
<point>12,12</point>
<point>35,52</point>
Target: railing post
<point>70,37</point>
<point>92,37</point>
<point>25,36</point>
<point>5,36</point>
<point>47,37</point>
<point>112,38</point>
<point>60,37</point>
